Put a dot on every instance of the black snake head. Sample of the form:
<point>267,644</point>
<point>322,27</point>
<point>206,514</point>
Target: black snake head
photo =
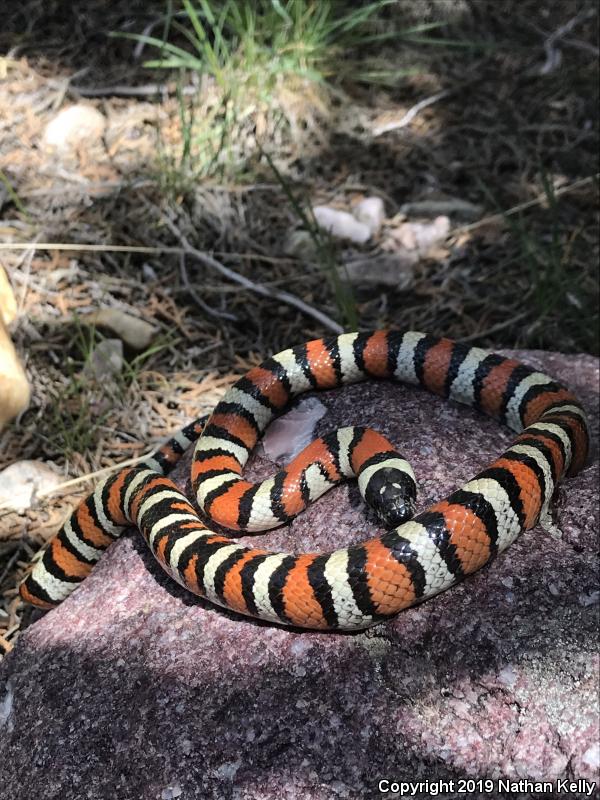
<point>392,495</point>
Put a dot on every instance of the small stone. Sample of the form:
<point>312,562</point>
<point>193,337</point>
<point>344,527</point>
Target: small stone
<point>387,269</point>
<point>106,360</point>
<point>134,332</point>
<point>300,244</point>
<point>422,236</point>
<point>341,224</point>
<point>21,482</point>
<point>452,207</point>
<point>290,434</point>
<point>78,124</point>
<point>371,212</point>
<point>149,272</point>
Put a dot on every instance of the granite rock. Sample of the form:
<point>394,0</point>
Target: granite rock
<point>134,689</point>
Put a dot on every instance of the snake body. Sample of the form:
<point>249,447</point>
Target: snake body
<point>357,586</point>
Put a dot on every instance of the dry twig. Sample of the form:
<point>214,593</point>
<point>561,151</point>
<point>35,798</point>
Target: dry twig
<point>412,112</point>
<point>258,288</point>
<point>196,297</point>
<point>553,54</point>
<point>120,90</point>
<point>522,206</point>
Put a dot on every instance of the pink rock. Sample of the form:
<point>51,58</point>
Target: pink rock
<point>135,689</point>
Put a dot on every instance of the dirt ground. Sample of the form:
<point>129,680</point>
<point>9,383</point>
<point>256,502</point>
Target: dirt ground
<point>516,119</point>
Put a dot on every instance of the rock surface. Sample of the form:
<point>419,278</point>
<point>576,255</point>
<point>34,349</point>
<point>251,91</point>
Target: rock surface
<point>134,689</point>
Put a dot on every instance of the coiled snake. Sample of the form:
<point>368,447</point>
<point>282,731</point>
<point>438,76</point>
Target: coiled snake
<point>354,587</point>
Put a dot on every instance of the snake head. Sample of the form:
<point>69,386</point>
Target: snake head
<point>391,493</point>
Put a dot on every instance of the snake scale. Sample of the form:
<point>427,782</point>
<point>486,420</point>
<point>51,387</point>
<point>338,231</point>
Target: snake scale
<point>357,586</point>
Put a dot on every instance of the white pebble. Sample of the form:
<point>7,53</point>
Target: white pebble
<point>341,224</point>
<point>371,212</point>
<point>23,481</point>
<point>74,125</point>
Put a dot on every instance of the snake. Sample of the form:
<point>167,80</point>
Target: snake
<point>416,557</point>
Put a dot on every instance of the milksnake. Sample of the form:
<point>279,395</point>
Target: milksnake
<point>353,587</point>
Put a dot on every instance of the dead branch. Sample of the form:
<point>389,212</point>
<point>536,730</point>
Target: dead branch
<point>258,288</point>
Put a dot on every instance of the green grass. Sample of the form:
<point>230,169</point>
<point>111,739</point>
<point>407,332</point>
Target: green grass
<point>268,61</point>
<point>175,171</point>
<point>14,197</point>
<point>270,65</point>
<point>253,45</point>
<point>75,416</point>
<point>71,425</point>
<point>558,293</point>
<point>325,251</point>
<point>264,59</point>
